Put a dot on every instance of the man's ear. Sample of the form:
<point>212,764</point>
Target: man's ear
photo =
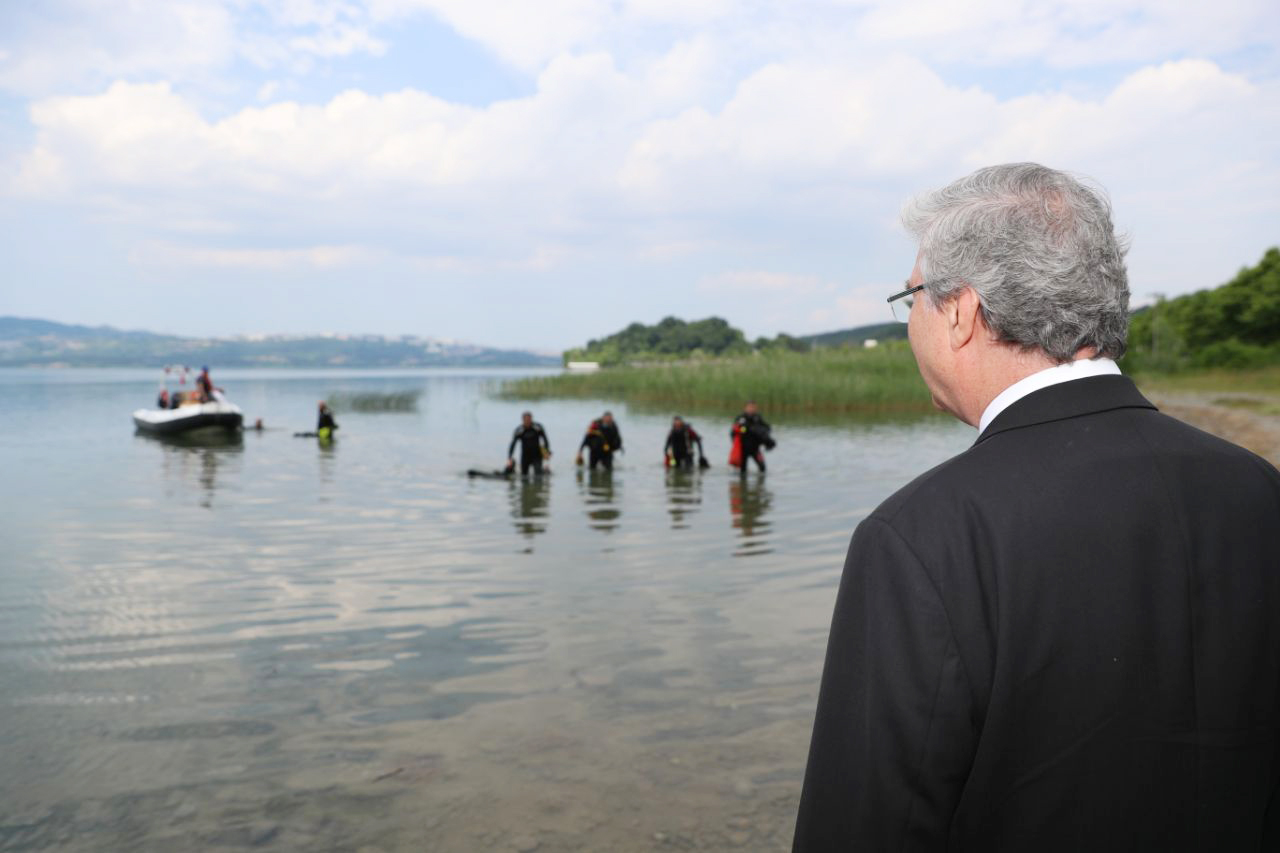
<point>963,315</point>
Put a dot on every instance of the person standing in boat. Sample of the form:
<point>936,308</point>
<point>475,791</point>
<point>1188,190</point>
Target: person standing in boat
<point>205,386</point>
<point>680,443</point>
<point>325,424</point>
<point>602,439</point>
<point>749,433</point>
<point>162,402</point>
<point>534,446</point>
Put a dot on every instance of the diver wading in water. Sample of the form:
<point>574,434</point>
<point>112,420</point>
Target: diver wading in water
<point>749,433</point>
<point>602,439</point>
<point>325,424</point>
<point>678,451</point>
<point>534,446</point>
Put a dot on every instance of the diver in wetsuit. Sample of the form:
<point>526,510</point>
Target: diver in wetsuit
<point>754,432</point>
<point>325,424</point>
<point>602,439</point>
<point>680,443</point>
<point>534,446</point>
<point>162,402</point>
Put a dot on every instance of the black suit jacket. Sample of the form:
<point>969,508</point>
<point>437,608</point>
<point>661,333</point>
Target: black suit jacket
<point>1065,638</point>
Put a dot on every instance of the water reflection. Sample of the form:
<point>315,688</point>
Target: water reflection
<point>530,499</point>
<point>326,446</point>
<point>749,502</point>
<point>597,488</point>
<point>684,494</point>
<point>197,454</point>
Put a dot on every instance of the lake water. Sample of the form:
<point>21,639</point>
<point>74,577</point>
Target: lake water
<point>278,645</point>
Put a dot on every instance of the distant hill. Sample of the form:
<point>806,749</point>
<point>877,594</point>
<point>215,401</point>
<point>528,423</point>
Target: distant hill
<point>855,336</point>
<point>26,342</point>
<point>672,338</point>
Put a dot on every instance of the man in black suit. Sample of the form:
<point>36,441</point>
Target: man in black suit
<point>1067,638</point>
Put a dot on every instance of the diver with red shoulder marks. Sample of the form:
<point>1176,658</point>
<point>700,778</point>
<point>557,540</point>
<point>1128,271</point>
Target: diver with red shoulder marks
<point>749,433</point>
<point>602,440</point>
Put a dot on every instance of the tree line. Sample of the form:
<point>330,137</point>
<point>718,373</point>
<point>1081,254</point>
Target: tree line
<point>1235,325</point>
<point>673,339</point>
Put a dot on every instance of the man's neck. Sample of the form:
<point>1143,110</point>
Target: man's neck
<point>1005,366</point>
<point>1017,383</point>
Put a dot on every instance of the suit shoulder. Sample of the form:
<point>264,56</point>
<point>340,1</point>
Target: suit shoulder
<point>1174,438</point>
<point>937,486</point>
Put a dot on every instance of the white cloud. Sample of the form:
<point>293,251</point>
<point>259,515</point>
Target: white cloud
<point>79,42</point>
<point>860,307</point>
<point>801,122</point>
<point>594,148</point>
<point>685,138</point>
<point>684,12</point>
<point>308,258</point>
<point>764,281</point>
<point>526,35</point>
<point>61,44</point>
<point>1069,34</point>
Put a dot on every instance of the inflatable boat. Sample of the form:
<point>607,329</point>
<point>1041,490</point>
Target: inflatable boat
<point>216,414</point>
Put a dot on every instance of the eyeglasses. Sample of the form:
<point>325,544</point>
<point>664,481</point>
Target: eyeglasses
<point>900,303</point>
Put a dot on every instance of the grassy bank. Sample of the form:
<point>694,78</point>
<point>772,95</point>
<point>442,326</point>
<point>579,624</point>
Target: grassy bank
<point>883,380</point>
<point>827,381</point>
<point>1259,380</point>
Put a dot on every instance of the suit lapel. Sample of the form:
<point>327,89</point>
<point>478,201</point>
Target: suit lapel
<point>1068,400</point>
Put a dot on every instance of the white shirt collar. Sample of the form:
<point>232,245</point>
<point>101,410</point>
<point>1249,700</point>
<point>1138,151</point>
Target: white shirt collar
<point>1081,369</point>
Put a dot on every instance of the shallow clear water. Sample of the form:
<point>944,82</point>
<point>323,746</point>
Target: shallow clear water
<point>269,643</point>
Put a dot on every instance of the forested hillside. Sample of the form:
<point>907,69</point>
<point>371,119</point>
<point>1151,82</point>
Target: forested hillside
<point>1235,325</point>
<point>674,339</point>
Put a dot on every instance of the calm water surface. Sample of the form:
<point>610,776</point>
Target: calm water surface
<point>272,644</point>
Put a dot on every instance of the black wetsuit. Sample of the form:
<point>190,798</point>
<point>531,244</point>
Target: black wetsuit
<point>325,420</point>
<point>162,402</point>
<point>602,440</point>
<point>680,444</point>
<point>532,439</point>
<point>755,432</point>
<point>206,387</point>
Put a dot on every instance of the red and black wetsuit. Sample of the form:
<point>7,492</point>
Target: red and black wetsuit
<point>602,439</point>
<point>754,432</point>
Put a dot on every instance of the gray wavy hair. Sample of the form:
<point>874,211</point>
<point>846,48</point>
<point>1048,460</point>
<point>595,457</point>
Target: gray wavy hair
<point>1039,249</point>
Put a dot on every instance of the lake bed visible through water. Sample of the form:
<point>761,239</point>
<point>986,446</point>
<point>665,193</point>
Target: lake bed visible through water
<point>270,643</point>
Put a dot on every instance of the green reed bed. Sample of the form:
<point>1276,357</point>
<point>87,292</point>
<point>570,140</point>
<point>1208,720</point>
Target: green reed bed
<point>1265,380</point>
<point>375,401</point>
<point>882,380</point>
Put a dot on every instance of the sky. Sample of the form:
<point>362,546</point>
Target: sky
<point>534,174</point>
